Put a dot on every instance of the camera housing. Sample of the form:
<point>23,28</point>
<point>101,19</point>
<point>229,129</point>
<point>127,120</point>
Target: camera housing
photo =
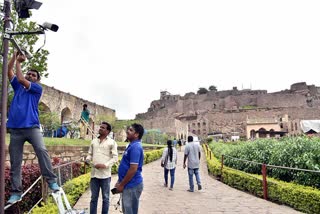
<point>114,191</point>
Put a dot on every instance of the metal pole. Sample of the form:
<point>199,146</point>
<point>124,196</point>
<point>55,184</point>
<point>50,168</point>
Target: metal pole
<point>264,181</point>
<point>4,100</point>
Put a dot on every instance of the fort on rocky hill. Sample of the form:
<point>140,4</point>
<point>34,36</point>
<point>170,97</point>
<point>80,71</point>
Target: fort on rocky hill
<point>233,111</point>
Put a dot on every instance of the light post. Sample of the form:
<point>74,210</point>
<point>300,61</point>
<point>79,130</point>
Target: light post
<point>22,8</point>
<point>4,100</point>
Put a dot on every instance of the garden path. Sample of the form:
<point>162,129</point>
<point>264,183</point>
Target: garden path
<point>214,198</point>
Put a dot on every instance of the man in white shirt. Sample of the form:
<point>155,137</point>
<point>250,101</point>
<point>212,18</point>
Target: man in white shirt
<point>103,153</point>
<point>192,152</point>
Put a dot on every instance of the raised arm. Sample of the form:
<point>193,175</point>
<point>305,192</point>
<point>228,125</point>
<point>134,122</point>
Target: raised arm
<point>10,66</point>
<point>22,80</point>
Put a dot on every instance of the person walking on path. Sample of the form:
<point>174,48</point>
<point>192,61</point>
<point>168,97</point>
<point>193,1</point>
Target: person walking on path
<point>169,162</point>
<point>180,144</point>
<point>175,143</point>
<point>215,196</point>
<point>24,125</point>
<point>83,124</point>
<point>130,181</point>
<point>103,153</point>
<point>192,152</point>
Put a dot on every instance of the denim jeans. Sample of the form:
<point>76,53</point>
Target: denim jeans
<point>17,139</point>
<point>95,185</point>
<point>130,199</point>
<point>196,173</point>
<point>166,171</point>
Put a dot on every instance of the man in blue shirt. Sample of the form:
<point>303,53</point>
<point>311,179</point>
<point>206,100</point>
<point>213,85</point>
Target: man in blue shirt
<point>23,123</point>
<point>175,143</point>
<point>130,181</point>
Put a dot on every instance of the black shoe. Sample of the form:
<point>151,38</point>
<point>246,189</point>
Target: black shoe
<point>199,187</point>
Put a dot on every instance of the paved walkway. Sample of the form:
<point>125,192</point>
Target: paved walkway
<point>214,198</point>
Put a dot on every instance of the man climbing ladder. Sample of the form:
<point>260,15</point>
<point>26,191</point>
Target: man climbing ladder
<point>84,121</point>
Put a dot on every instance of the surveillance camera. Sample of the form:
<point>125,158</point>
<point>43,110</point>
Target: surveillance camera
<point>49,26</point>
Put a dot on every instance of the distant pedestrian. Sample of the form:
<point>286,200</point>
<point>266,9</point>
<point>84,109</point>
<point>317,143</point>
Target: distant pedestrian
<point>84,121</point>
<point>192,152</point>
<point>180,144</point>
<point>130,181</point>
<point>103,153</point>
<point>169,162</point>
<point>175,143</point>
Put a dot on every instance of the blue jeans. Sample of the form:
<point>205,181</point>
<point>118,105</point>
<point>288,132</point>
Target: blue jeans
<point>130,199</point>
<point>17,139</point>
<point>95,185</point>
<point>166,171</point>
<point>196,173</point>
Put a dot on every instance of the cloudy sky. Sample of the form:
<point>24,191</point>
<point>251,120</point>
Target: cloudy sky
<point>121,54</point>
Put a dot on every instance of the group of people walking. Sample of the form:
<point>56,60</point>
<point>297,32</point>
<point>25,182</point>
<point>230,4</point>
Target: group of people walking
<point>192,155</point>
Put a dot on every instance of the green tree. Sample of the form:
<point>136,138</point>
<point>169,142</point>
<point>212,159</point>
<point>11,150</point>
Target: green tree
<point>213,88</point>
<point>103,117</point>
<point>31,43</point>
<point>155,136</point>
<point>123,124</point>
<point>202,91</point>
<point>73,127</point>
<point>49,120</point>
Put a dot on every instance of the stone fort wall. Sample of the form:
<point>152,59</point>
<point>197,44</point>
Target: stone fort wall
<point>69,107</point>
<point>228,111</point>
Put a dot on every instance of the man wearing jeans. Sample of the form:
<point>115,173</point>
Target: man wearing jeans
<point>192,153</point>
<point>130,181</point>
<point>103,153</point>
<point>24,125</point>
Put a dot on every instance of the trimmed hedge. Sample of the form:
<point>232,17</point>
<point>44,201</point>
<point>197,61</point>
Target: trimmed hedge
<point>303,198</point>
<point>77,186</point>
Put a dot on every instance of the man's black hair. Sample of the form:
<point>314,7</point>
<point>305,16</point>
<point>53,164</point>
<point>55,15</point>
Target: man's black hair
<point>139,129</point>
<point>109,128</point>
<point>38,74</point>
<point>190,138</point>
<point>85,105</point>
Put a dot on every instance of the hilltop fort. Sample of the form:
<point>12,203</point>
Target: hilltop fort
<point>247,112</point>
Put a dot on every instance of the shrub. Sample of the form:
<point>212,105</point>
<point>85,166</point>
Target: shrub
<point>30,173</point>
<point>306,199</point>
<point>298,152</point>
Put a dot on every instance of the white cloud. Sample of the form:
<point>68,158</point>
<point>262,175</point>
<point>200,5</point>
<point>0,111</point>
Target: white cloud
<point>122,53</point>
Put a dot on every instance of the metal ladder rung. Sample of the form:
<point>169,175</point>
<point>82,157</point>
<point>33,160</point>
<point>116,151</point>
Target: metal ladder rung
<point>62,202</point>
<point>88,126</point>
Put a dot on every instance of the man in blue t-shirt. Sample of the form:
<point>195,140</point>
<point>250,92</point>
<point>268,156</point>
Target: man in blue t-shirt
<point>23,123</point>
<point>130,181</point>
